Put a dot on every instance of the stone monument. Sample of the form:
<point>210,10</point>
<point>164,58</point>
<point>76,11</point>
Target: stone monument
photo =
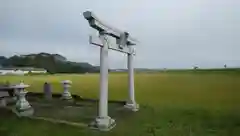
<point>47,91</point>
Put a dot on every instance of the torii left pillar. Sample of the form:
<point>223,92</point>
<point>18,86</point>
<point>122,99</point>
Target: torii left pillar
<point>103,122</point>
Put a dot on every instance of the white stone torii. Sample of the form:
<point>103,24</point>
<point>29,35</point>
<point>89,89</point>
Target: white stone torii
<point>124,43</point>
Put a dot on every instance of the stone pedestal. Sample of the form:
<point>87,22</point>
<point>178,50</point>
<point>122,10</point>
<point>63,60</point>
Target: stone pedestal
<point>22,108</point>
<point>15,95</point>
<point>3,102</point>
<point>66,95</point>
<point>103,123</point>
<point>132,106</point>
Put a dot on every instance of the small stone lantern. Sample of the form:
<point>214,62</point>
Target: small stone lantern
<point>66,95</point>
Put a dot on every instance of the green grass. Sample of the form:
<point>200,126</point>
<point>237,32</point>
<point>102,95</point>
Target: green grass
<point>171,104</point>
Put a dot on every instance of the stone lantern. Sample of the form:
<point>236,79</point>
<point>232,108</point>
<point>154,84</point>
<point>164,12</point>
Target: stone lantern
<point>23,108</point>
<point>66,95</point>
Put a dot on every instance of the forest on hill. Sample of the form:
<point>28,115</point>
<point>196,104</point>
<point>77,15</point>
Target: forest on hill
<point>53,63</point>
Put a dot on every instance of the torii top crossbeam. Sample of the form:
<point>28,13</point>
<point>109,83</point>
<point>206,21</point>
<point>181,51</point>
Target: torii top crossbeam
<point>99,25</point>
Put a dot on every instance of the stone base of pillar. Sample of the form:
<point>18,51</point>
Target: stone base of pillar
<point>23,113</point>
<point>132,106</point>
<point>66,96</point>
<point>103,123</point>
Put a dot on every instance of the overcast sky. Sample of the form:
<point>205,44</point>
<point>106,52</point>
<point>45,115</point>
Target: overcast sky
<point>172,33</point>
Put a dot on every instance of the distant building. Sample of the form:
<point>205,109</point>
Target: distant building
<point>21,71</point>
<point>118,70</point>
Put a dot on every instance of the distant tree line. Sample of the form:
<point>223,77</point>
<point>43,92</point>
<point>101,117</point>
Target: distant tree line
<point>53,63</point>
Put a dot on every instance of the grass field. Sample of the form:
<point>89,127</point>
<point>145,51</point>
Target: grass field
<point>171,104</point>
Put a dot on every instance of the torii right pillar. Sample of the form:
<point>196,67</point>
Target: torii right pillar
<point>131,103</point>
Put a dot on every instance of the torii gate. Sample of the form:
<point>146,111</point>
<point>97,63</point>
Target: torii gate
<point>124,43</point>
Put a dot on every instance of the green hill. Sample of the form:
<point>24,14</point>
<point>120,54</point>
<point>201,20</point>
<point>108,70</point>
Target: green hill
<point>53,63</point>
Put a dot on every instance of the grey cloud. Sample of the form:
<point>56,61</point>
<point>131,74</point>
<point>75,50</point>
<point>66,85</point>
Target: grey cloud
<point>174,34</point>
